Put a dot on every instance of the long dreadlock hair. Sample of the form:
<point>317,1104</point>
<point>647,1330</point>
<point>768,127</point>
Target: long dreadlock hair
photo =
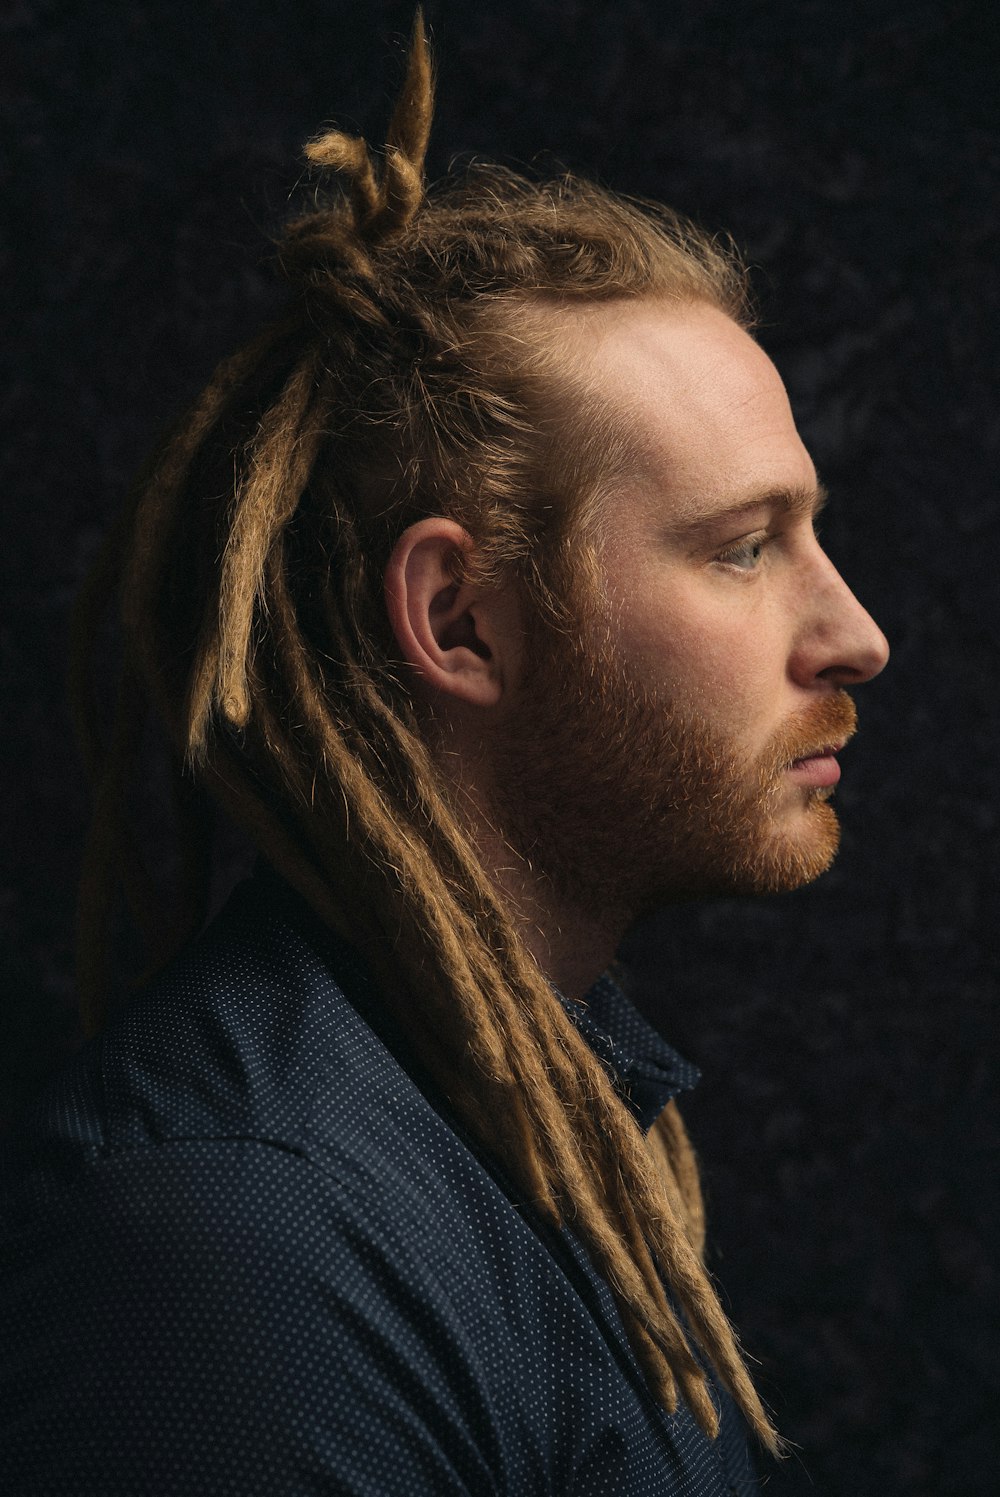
<point>409,375</point>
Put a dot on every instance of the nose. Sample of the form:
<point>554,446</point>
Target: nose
<point>840,641</point>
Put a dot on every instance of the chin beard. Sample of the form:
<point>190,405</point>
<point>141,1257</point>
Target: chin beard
<point>621,804</point>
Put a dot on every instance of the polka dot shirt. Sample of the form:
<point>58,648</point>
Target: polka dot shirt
<point>244,1249</point>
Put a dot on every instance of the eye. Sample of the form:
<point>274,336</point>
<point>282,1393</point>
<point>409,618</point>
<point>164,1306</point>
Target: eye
<point>745,554</point>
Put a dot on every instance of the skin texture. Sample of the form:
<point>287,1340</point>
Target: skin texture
<point>652,755</point>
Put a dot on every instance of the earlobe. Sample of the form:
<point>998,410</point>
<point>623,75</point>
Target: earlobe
<point>442,627</point>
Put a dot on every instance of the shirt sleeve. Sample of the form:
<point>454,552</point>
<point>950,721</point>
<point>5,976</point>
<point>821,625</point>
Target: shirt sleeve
<point>216,1316</point>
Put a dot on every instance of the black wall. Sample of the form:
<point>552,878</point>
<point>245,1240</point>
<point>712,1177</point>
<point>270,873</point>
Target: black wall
<point>847,1118</point>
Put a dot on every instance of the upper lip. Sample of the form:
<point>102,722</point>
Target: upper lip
<point>821,753</point>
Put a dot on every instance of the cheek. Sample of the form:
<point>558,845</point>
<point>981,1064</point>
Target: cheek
<point>722,663</point>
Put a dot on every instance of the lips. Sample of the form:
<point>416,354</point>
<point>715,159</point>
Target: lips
<point>819,769</point>
<point>806,751</point>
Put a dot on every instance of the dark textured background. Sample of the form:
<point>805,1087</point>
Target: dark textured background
<point>847,1119</point>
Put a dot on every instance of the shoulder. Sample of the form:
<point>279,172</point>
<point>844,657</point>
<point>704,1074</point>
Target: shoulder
<point>211,1306</point>
<point>235,1211</point>
<point>233,1039</point>
<point>244,1108</point>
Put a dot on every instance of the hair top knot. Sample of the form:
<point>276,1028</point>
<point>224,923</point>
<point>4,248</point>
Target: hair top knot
<point>378,204</point>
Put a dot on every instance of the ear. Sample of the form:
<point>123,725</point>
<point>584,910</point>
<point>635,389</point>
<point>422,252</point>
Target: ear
<point>463,641</point>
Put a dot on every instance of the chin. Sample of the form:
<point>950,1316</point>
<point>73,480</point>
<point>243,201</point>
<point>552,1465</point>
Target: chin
<point>798,854</point>
<point>773,862</point>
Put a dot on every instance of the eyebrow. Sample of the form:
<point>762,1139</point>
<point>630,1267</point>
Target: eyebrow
<point>807,500</point>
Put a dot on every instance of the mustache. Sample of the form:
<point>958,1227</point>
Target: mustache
<point>830,723</point>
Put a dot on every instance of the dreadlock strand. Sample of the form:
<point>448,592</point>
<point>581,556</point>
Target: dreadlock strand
<point>282,458</point>
<point>673,1155</point>
<point>410,125</point>
<point>348,156</point>
<point>402,189</point>
<point>201,693</point>
<point>406,140</point>
<point>163,494</point>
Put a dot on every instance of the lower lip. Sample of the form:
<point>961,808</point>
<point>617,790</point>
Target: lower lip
<point>821,770</point>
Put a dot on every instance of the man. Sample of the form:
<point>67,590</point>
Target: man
<point>483,591</point>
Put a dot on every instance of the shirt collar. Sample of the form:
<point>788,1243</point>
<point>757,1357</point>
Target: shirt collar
<point>645,1071</point>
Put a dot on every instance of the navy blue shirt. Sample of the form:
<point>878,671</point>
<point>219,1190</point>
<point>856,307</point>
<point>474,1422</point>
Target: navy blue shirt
<point>245,1249</point>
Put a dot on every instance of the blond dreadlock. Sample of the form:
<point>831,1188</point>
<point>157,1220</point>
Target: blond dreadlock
<point>410,376</point>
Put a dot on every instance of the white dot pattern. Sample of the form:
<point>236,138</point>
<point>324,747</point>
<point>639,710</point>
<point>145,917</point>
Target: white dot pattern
<point>245,1249</point>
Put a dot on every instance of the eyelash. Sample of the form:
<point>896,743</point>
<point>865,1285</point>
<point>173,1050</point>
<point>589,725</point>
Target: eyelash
<point>732,555</point>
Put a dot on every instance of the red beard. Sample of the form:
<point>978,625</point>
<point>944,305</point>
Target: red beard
<point>621,803</point>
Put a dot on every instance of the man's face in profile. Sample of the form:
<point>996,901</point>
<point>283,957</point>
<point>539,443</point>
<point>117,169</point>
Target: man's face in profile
<point>684,742</point>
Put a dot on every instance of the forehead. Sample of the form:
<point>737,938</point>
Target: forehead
<point>705,412</point>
